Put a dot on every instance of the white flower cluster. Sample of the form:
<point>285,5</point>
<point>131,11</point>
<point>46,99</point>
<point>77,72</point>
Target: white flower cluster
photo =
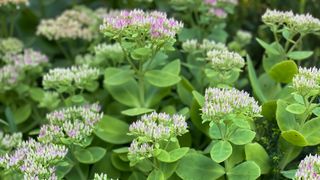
<point>9,77</point>
<point>301,23</point>
<point>68,79</point>
<point>14,2</point>
<point>206,45</point>
<point>307,81</point>
<point>308,168</point>
<point>150,130</point>
<point>78,23</point>
<point>72,124</point>
<point>159,126</point>
<point>243,37</point>
<point>140,150</point>
<point>223,60</point>
<point>34,160</point>
<point>222,102</point>
<point>111,52</point>
<point>7,142</point>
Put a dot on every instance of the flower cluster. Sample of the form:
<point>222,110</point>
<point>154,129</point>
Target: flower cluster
<point>111,52</point>
<point>7,142</point>
<point>139,151</point>
<point>10,45</point>
<point>222,60</point>
<point>14,2</point>
<point>309,168</point>
<point>158,126</point>
<point>150,25</point>
<point>77,23</point>
<point>301,23</point>
<point>28,59</point>
<point>243,37</point>
<point>9,77</point>
<point>150,130</point>
<point>206,45</point>
<point>35,160</point>
<point>221,102</point>
<point>307,81</point>
<point>70,125</point>
<point>216,7</point>
<point>68,79</point>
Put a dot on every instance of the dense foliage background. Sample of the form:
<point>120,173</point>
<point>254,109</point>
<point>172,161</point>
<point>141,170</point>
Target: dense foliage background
<point>171,79</point>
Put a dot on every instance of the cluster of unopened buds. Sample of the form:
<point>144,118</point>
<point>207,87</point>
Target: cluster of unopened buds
<point>298,23</point>
<point>77,23</point>
<point>66,79</point>
<point>34,160</point>
<point>223,60</point>
<point>308,168</point>
<point>70,125</point>
<point>206,45</point>
<point>307,81</point>
<point>151,25</point>
<point>222,102</point>
<point>101,176</point>
<point>152,129</point>
<point>8,142</point>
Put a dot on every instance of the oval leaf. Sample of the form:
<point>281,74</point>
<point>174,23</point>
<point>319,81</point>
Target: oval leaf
<point>113,130</point>
<point>89,155</point>
<point>255,152</point>
<point>116,76</point>
<point>221,151</point>
<point>294,137</point>
<point>299,55</point>
<point>161,78</point>
<point>284,71</point>
<point>196,166</point>
<point>242,136</point>
<point>136,111</point>
<point>244,171</point>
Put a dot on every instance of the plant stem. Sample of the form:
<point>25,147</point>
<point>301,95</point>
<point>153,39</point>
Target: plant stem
<point>64,52</point>
<point>141,87</point>
<point>4,26</point>
<point>80,173</point>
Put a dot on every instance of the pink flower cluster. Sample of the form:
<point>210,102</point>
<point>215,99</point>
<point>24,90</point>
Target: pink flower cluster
<point>215,7</point>
<point>154,24</point>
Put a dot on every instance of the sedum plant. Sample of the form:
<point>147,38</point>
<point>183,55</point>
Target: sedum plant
<point>156,138</point>
<point>144,38</point>
<point>34,160</point>
<point>308,168</point>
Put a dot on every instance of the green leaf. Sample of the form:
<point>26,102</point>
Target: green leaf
<point>256,153</point>
<point>290,174</point>
<point>156,175</point>
<point>296,108</point>
<point>173,67</point>
<point>268,47</point>
<point>269,110</point>
<point>141,53</point>
<point>242,136</point>
<point>113,130</point>
<point>254,81</point>
<point>117,76</point>
<point>316,111</point>
<point>89,155</point>
<point>245,171</point>
<point>127,93</point>
<point>221,151</point>
<point>161,78</point>
<point>214,131</point>
<point>21,114</point>
<point>311,131</point>
<point>77,99</point>
<point>199,98</point>
<point>184,90</point>
<point>286,121</point>
<point>36,94</point>
<point>283,71</point>
<point>299,55</point>
<point>195,166</point>
<point>294,137</point>
<point>136,111</point>
<point>173,155</point>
